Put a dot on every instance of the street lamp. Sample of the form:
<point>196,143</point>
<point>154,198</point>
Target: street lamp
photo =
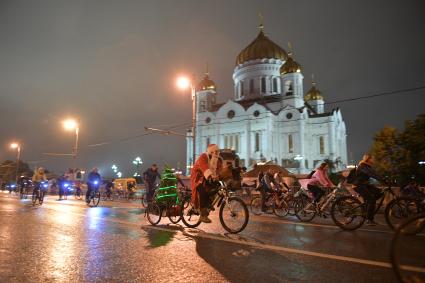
<point>71,125</point>
<point>185,83</point>
<point>137,161</point>
<point>16,146</point>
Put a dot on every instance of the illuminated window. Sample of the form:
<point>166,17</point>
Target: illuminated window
<point>290,144</point>
<point>322,145</point>
<point>226,142</point>
<point>236,143</point>
<point>241,89</point>
<point>208,142</point>
<point>288,88</point>
<point>263,85</point>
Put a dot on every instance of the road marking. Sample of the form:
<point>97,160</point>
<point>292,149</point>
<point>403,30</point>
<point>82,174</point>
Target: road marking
<point>258,245</point>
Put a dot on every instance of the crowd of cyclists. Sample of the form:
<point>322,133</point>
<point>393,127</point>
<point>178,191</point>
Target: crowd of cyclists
<point>270,184</point>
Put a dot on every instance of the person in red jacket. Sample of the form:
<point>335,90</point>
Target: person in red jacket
<point>204,176</point>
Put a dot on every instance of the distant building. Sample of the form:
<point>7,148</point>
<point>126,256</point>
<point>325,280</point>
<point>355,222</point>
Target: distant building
<point>270,117</point>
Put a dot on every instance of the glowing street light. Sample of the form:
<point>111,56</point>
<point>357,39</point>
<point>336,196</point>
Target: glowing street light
<point>119,174</point>
<point>71,125</point>
<point>114,168</point>
<point>16,146</point>
<point>137,161</point>
<point>184,83</point>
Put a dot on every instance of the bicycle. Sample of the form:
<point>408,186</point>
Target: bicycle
<point>94,196</point>
<point>232,211</point>
<point>349,213</point>
<point>170,208</point>
<point>401,208</point>
<point>401,248</point>
<point>38,193</point>
<point>78,193</point>
<point>275,200</point>
<point>306,210</point>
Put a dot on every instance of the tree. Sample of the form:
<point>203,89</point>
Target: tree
<point>397,155</point>
<point>8,170</point>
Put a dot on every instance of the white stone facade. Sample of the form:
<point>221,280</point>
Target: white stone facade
<point>268,119</point>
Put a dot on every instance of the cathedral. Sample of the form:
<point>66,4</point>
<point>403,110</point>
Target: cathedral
<point>270,117</point>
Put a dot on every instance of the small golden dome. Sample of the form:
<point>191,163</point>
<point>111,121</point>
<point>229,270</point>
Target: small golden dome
<point>313,94</point>
<point>290,66</point>
<point>206,84</point>
<point>262,47</point>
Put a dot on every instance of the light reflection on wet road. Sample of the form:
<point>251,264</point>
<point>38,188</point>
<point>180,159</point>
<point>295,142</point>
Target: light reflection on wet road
<point>68,242</point>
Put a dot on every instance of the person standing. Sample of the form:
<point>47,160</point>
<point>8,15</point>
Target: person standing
<point>150,177</point>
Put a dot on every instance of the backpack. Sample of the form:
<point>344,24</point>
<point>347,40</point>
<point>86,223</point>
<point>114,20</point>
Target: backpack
<point>351,178</point>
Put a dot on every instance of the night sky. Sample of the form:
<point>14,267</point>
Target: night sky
<point>113,64</point>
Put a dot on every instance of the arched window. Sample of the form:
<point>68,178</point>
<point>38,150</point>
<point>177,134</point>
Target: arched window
<point>263,85</point>
<point>322,145</point>
<point>290,144</point>
<point>251,86</point>
<point>274,84</point>
<point>257,142</point>
<point>288,88</point>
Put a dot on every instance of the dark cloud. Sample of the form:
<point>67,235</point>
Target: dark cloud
<point>113,64</point>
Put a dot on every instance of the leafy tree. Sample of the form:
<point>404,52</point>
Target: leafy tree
<point>397,155</point>
<point>8,170</point>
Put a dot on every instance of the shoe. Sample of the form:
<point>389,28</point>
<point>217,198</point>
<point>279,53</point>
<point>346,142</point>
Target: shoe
<point>205,219</point>
<point>371,223</point>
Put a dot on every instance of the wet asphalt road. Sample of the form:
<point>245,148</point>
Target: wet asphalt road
<point>65,241</point>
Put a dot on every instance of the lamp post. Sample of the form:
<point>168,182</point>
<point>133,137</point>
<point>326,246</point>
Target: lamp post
<point>16,146</point>
<point>137,161</point>
<point>185,83</point>
<point>70,125</point>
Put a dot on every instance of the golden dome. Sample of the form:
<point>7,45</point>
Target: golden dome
<point>313,94</point>
<point>206,84</point>
<point>290,66</point>
<point>261,47</point>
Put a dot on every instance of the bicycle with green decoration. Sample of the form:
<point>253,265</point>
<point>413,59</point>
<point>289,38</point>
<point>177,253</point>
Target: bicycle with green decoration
<point>165,202</point>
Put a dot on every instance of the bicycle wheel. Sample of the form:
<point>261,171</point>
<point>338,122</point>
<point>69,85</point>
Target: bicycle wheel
<point>174,212</point>
<point>256,205</point>
<point>95,199</point>
<point>234,215</point>
<point>348,213</point>
<point>280,209</point>
<point>399,209</point>
<point>403,246</point>
<point>153,213</point>
<point>304,209</point>
<point>190,216</point>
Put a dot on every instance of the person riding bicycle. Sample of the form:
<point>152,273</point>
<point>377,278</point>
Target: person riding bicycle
<point>23,183</point>
<point>93,182</point>
<point>109,186</point>
<point>363,185</point>
<point>39,177</point>
<point>204,177</point>
<point>266,185</point>
<point>150,177</point>
<point>318,180</point>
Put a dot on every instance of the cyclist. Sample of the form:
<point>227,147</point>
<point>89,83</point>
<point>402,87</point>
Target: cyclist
<point>363,182</point>
<point>318,180</point>
<point>204,177</point>
<point>412,191</point>
<point>149,177</point>
<point>266,185</point>
<point>109,185</point>
<point>39,177</point>
<point>93,182</point>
